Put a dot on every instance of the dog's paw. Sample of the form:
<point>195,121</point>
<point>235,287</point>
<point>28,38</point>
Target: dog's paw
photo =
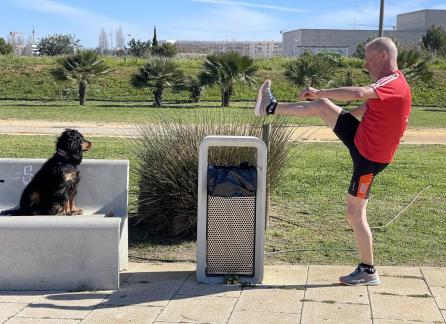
<point>77,211</point>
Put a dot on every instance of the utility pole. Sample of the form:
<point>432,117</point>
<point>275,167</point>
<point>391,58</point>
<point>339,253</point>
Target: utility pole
<point>111,42</point>
<point>381,19</point>
<point>33,34</point>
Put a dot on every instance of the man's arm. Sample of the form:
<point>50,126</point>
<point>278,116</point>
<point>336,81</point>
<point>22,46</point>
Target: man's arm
<point>359,111</point>
<point>341,94</point>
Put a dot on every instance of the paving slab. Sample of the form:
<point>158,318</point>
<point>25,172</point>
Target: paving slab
<point>192,288</point>
<point>270,300</point>
<point>327,274</point>
<point>169,293</point>
<point>435,277</point>
<point>403,272</point>
<point>25,320</point>
<point>381,321</point>
<point>158,276</point>
<point>285,275</point>
<point>144,294</point>
<point>64,305</point>
<point>251,317</point>
<point>122,314</point>
<point>198,309</point>
<point>338,293</point>
<point>22,297</point>
<point>317,312</point>
<point>405,308</point>
<point>323,285</point>
<point>440,296</point>
<point>161,267</point>
<point>8,310</point>
<point>401,286</point>
<point>123,276</point>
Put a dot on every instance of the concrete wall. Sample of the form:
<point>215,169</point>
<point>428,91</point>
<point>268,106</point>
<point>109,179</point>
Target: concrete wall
<point>411,21</point>
<point>337,40</point>
<point>421,20</point>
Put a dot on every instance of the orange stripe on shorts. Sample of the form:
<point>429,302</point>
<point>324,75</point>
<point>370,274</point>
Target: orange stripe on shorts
<point>364,184</point>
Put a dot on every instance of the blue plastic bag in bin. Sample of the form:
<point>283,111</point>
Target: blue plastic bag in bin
<point>232,181</point>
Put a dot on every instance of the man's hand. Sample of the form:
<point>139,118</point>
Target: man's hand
<point>309,93</point>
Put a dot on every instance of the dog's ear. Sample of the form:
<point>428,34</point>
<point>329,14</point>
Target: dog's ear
<point>70,141</point>
<point>75,141</point>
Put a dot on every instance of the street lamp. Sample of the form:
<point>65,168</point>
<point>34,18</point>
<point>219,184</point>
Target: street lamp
<point>381,19</point>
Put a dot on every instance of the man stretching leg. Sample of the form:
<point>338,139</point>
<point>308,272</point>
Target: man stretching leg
<point>372,142</point>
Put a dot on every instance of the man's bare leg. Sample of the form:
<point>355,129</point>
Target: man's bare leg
<point>266,104</point>
<point>323,108</point>
<point>357,217</point>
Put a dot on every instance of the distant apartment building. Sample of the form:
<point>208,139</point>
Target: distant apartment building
<point>253,49</point>
<point>409,30</point>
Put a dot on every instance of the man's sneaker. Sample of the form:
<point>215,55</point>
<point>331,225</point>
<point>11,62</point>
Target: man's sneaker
<point>266,103</point>
<point>360,277</point>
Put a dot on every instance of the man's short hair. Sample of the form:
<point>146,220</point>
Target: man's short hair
<point>383,44</point>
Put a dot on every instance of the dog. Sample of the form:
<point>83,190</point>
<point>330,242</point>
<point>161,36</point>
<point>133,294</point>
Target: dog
<point>53,188</point>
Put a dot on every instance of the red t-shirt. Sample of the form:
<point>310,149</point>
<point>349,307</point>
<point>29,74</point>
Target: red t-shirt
<point>385,119</point>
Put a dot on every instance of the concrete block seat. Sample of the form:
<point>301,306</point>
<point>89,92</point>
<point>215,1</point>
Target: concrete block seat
<point>65,252</point>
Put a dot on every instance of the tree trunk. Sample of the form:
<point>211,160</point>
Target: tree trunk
<point>158,97</point>
<point>225,96</point>
<point>82,92</point>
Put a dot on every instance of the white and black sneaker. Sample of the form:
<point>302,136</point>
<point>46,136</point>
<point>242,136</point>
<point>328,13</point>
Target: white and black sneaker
<point>361,277</point>
<point>266,103</point>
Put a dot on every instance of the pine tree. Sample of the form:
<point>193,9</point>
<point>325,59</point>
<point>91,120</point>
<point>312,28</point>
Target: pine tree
<point>155,43</point>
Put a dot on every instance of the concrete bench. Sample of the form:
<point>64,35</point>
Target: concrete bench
<point>65,252</point>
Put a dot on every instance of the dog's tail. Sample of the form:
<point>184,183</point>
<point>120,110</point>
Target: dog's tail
<point>11,212</point>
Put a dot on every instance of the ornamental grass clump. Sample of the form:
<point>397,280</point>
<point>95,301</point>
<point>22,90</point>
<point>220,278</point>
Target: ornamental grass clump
<point>167,165</point>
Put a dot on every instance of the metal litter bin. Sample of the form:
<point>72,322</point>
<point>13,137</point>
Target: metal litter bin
<point>231,221</point>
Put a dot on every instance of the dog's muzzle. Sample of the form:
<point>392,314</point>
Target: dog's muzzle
<point>86,145</point>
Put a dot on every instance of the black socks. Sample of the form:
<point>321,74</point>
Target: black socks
<point>368,268</point>
<point>270,110</point>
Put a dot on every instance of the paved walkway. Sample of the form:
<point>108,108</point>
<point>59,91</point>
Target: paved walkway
<point>168,293</point>
<point>305,133</point>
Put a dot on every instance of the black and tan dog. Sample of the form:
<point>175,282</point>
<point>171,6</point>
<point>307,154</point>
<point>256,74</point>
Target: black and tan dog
<point>53,188</point>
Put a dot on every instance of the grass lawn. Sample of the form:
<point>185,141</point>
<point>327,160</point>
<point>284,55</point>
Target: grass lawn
<point>311,198</point>
<point>133,112</point>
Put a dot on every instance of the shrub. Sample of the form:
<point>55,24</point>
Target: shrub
<point>58,44</point>
<point>167,166</point>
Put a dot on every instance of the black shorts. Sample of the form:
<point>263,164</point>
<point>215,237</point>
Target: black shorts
<point>364,171</point>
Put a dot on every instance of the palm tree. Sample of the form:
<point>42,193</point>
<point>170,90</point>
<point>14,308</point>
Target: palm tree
<point>225,69</point>
<point>414,64</point>
<point>83,67</point>
<point>311,69</point>
<point>158,74</point>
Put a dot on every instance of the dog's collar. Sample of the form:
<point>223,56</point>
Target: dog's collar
<point>61,153</point>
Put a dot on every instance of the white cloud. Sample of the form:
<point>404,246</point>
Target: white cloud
<point>88,23</point>
<point>250,4</point>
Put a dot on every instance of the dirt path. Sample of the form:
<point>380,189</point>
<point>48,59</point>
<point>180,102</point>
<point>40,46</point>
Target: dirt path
<point>306,133</point>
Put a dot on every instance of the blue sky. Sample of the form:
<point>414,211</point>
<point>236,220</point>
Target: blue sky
<point>196,19</point>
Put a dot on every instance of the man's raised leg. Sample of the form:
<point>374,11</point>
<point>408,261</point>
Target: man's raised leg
<point>266,105</point>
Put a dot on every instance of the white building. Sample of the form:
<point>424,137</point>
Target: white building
<point>410,28</point>
<point>253,49</point>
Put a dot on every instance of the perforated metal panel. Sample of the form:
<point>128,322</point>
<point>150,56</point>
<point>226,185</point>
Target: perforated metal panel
<point>231,230</point>
<point>231,235</point>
